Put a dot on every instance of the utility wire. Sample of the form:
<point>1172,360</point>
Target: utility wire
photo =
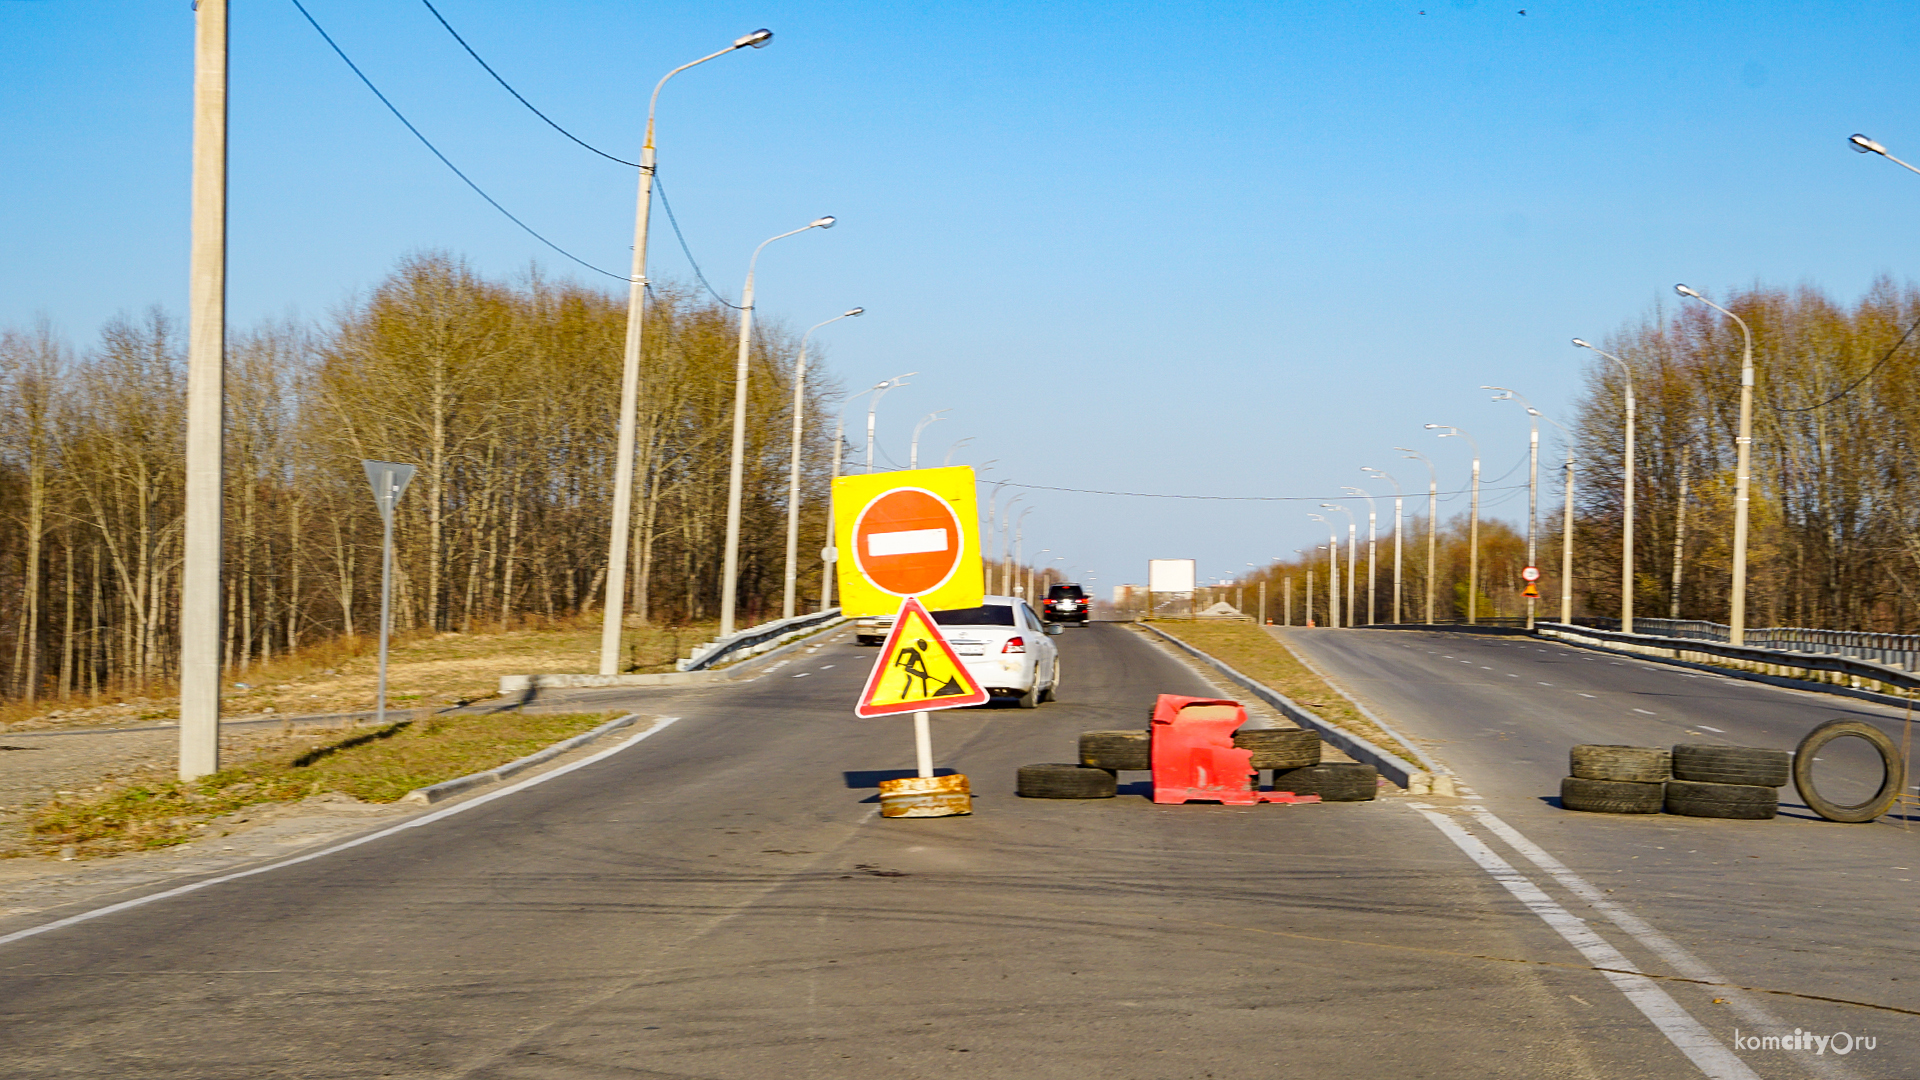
<point>1857,383</point>
<point>1221,498</point>
<point>341,53</point>
<point>516,94</point>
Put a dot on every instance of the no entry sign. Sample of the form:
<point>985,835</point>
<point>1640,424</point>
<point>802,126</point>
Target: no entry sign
<point>905,534</point>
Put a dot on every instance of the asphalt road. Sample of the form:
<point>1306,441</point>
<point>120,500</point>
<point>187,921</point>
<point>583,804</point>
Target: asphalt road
<point>1794,904</point>
<point>721,900</point>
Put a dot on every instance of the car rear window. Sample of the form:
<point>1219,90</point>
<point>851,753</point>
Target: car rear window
<point>1065,592</point>
<point>985,615</point>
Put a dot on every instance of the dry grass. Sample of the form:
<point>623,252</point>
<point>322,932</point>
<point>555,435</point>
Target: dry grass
<point>1260,656</point>
<point>377,765</point>
<point>424,670</point>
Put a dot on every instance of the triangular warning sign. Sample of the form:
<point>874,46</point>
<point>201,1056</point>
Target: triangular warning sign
<point>917,671</point>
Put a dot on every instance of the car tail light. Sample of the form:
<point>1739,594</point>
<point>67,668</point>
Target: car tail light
<point>1015,645</point>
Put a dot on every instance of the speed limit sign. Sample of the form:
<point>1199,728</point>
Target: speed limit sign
<point>1531,573</point>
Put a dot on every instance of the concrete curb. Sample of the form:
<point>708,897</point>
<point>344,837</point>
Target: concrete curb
<point>522,684</point>
<point>1391,765</point>
<point>433,793</point>
<point>1432,765</point>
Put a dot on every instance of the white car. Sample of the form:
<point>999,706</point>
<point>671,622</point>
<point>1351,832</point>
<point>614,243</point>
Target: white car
<point>1006,648</point>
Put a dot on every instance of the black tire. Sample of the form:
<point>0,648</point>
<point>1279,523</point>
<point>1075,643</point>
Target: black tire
<point>1280,748</point>
<point>1030,699</point>
<point>1858,813</point>
<point>1335,781</point>
<point>1053,684</point>
<point>1636,764</point>
<point>1131,750</point>
<point>1738,765</point>
<point>1611,796</point>
<point>1747,802</point>
<point>1062,781</point>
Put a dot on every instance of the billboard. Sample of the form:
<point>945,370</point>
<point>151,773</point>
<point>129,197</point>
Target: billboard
<point>1170,575</point>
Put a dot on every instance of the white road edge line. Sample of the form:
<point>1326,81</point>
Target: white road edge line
<point>425,819</point>
<point>1687,1034</point>
<point>1667,949</point>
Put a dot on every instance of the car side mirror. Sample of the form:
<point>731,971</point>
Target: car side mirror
<point>1055,629</point>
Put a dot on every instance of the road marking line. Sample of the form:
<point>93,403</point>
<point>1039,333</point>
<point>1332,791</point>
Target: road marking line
<point>1717,731</point>
<point>1583,695</point>
<point>1687,1034</point>
<point>803,675</point>
<point>1546,684</point>
<point>1645,711</point>
<point>1667,949</point>
<point>426,819</point>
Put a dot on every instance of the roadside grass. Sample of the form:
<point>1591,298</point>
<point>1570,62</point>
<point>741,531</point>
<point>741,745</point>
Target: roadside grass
<point>376,765</point>
<point>1258,655</point>
<point>339,675</point>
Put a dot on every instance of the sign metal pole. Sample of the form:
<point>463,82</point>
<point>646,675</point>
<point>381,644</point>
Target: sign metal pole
<point>389,479</point>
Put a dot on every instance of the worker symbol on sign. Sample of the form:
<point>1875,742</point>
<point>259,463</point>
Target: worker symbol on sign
<point>912,660</point>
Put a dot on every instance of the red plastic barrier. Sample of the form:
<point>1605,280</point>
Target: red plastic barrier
<point>1194,756</point>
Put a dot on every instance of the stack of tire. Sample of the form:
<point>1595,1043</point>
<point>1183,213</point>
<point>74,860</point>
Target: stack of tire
<point>1693,780</point>
<point>1292,754</point>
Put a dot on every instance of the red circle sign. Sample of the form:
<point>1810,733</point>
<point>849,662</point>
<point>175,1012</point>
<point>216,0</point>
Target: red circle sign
<point>907,542</point>
<point>1531,573</point>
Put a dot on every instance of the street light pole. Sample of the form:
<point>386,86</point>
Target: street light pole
<point>913,454</point>
<point>874,407</point>
<point>956,446</point>
<point>1371,531</point>
<point>1626,539</point>
<point>1473,525</point>
<point>206,401</point>
<point>737,467</point>
<point>1333,571</point>
<point>1743,459</point>
<point>614,613</point>
<point>839,449</point>
<point>1397,500</point>
<point>793,465</point>
<point>1352,528</point>
<point>1533,480</point>
<point>1433,507</point>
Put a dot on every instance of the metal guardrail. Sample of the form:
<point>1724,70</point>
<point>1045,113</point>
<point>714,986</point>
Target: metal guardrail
<point>1844,666</point>
<point>752,640</point>
<point>1902,650</point>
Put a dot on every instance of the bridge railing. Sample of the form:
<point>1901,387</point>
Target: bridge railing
<point>1893,650</point>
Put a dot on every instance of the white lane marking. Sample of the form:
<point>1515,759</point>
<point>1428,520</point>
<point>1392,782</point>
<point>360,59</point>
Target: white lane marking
<point>1679,1026</point>
<point>1645,711</point>
<point>1511,675</point>
<point>1667,949</point>
<point>1583,695</point>
<point>824,667</point>
<point>1717,731</point>
<point>1546,684</point>
<point>908,542</point>
<point>803,675</point>
<point>426,819</point>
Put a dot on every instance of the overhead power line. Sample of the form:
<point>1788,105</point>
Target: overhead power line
<point>1228,498</point>
<point>424,141</point>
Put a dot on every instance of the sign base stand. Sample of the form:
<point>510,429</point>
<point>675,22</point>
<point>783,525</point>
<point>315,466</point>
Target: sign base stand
<point>926,796</point>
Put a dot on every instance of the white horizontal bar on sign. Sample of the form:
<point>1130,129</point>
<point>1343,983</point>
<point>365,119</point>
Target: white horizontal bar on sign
<point>912,542</point>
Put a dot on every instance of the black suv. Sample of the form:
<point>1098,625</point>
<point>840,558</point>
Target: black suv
<point>1066,603</point>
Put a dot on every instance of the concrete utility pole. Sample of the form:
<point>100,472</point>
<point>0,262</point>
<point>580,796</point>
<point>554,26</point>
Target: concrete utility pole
<point>1333,570</point>
<point>1433,508</point>
<point>1353,528</point>
<point>614,616</point>
<point>200,585</point>
<point>1742,473</point>
<point>792,575</point>
<point>729,574</point>
<point>1397,500</point>
<point>1626,538</point>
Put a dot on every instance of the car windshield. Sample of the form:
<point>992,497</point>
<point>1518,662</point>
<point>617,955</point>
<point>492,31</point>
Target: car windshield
<point>985,615</point>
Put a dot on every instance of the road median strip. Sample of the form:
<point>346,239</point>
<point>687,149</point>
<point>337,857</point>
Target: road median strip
<point>1261,657</point>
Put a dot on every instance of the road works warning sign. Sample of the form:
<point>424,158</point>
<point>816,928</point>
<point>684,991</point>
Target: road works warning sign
<point>917,671</point>
<point>905,534</point>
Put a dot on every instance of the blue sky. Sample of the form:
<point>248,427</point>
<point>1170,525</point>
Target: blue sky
<point>1221,249</point>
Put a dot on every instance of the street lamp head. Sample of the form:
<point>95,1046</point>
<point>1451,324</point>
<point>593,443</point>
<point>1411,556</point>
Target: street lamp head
<point>821,223</point>
<point>1684,291</point>
<point>758,39</point>
<point>855,311</point>
<point>1581,344</point>
<point>1864,145</point>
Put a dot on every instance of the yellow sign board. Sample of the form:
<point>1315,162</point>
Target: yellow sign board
<point>902,534</point>
<point>917,671</point>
